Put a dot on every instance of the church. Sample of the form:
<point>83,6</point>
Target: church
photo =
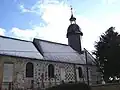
<point>41,63</point>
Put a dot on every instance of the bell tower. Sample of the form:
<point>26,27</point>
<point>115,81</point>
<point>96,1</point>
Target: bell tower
<point>74,34</point>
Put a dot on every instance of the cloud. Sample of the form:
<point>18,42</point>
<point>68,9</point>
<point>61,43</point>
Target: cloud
<point>34,9</point>
<point>40,6</point>
<point>56,14</point>
<point>110,1</point>
<point>2,31</point>
<point>23,34</point>
<point>23,9</point>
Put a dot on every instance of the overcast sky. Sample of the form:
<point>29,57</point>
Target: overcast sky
<point>49,19</point>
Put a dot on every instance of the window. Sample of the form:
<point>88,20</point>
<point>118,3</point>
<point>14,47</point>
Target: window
<point>8,72</point>
<point>80,72</point>
<point>29,69</point>
<point>51,71</point>
<point>62,73</point>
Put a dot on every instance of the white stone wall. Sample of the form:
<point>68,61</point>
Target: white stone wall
<point>94,76</point>
<point>41,66</point>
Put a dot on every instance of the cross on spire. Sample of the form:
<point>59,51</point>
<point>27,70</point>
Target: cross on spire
<point>71,10</point>
<point>72,18</point>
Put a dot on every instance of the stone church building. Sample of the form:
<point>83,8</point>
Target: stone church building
<point>41,63</point>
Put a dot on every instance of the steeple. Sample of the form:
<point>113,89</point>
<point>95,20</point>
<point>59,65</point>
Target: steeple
<point>74,33</point>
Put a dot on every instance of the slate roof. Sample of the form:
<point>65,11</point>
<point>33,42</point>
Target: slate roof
<point>61,52</point>
<point>16,47</point>
<point>44,50</point>
<point>90,58</point>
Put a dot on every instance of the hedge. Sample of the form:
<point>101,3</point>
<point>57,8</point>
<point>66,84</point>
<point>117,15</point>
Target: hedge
<point>71,86</point>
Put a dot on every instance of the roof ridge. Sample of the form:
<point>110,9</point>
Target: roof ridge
<point>14,38</point>
<point>51,42</point>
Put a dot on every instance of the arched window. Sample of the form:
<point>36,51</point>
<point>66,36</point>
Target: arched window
<point>80,72</point>
<point>51,71</point>
<point>29,69</point>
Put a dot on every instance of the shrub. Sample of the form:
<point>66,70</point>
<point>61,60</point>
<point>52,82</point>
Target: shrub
<point>71,86</point>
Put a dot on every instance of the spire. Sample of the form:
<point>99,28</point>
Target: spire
<point>72,18</point>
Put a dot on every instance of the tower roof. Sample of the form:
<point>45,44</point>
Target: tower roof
<point>73,27</point>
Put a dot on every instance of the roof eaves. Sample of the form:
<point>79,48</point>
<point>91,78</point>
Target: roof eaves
<point>19,56</point>
<point>63,62</point>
